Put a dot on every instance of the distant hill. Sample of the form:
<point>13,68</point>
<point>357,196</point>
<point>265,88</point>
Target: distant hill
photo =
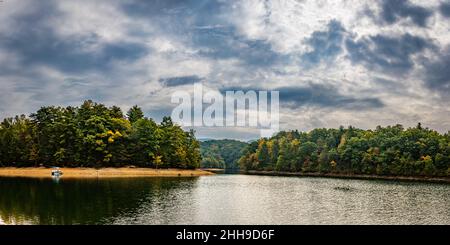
<point>204,139</point>
<point>221,153</point>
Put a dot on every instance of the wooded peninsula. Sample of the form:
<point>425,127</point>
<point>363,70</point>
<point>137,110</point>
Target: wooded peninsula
<point>385,151</point>
<point>93,135</point>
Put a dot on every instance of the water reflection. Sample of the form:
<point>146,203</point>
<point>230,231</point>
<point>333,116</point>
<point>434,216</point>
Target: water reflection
<point>83,201</point>
<point>222,199</point>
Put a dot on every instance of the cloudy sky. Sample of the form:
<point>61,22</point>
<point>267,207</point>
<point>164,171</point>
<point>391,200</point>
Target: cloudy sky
<point>348,62</point>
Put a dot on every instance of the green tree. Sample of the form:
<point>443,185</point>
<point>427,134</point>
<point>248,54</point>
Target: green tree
<point>324,161</point>
<point>134,114</point>
<point>221,153</point>
<point>145,142</point>
<point>262,154</point>
<point>282,161</point>
<point>308,156</point>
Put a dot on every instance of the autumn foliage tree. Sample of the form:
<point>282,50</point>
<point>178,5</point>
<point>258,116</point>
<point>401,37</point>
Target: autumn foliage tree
<point>391,150</point>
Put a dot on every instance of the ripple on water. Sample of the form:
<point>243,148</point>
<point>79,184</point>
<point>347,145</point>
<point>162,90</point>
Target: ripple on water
<point>222,199</point>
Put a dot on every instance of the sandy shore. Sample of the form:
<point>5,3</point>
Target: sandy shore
<point>102,173</point>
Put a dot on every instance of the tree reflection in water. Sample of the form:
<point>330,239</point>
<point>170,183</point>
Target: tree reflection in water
<point>80,201</point>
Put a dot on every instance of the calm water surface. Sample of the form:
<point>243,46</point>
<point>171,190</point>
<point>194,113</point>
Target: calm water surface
<point>222,199</point>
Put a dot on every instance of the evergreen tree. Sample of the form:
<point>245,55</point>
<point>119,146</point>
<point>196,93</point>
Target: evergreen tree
<point>134,114</point>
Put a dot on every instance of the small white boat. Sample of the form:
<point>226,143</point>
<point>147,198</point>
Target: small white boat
<point>56,172</point>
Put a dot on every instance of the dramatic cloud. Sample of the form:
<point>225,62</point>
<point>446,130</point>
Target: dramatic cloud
<point>393,11</point>
<point>223,43</point>
<point>177,81</point>
<point>326,45</point>
<point>335,62</point>
<point>316,95</point>
<point>391,54</point>
<point>444,8</point>
<point>324,96</point>
<point>437,74</point>
<point>34,41</point>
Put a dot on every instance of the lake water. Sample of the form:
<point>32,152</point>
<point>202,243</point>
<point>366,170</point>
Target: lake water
<point>222,199</point>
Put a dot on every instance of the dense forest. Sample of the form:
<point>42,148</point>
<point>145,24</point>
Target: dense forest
<point>391,150</point>
<point>93,135</point>
<point>221,153</point>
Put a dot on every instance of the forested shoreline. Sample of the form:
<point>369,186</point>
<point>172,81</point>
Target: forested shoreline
<point>93,135</point>
<point>222,154</point>
<point>385,151</point>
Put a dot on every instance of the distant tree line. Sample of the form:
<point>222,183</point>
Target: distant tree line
<point>221,153</point>
<point>390,150</point>
<point>93,135</point>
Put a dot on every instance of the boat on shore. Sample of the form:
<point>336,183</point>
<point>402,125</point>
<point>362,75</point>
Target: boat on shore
<point>56,172</point>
